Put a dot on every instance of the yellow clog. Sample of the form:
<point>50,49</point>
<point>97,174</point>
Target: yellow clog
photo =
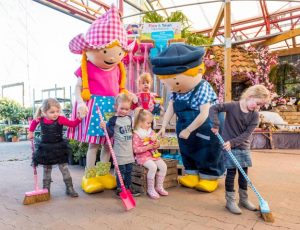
<point>189,181</point>
<point>207,185</point>
<point>108,181</point>
<point>91,185</point>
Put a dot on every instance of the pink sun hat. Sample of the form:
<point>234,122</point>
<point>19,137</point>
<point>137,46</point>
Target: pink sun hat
<point>105,30</point>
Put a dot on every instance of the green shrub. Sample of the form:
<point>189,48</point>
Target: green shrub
<point>14,130</point>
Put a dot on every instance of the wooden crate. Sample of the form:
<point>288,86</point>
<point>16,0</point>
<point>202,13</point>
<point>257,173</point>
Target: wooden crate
<point>180,169</point>
<point>139,176</point>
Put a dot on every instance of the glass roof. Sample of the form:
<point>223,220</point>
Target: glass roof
<point>203,14</point>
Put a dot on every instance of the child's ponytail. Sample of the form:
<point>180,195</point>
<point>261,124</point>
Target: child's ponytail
<point>38,113</point>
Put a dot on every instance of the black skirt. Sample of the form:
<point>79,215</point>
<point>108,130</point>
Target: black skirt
<point>51,153</point>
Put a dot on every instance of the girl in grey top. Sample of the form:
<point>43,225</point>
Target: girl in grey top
<point>119,127</point>
<point>241,119</point>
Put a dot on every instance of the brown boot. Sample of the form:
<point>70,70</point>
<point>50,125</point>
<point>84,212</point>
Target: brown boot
<point>46,184</point>
<point>69,188</point>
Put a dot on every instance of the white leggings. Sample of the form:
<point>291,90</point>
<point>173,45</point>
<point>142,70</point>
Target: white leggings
<point>152,166</point>
<point>92,153</point>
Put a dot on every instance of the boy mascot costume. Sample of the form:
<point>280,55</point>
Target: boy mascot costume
<point>178,68</point>
<point>100,78</point>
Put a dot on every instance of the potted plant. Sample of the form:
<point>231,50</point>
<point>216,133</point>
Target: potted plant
<point>11,111</point>
<point>12,133</point>
<point>74,146</point>
<point>2,139</point>
<point>79,150</point>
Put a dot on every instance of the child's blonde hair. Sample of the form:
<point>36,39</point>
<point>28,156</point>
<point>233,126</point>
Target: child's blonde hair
<point>46,105</point>
<point>123,97</point>
<point>257,91</point>
<point>140,115</point>
<point>145,77</point>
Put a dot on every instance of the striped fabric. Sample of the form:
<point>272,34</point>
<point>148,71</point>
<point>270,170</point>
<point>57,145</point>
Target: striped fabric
<point>83,130</point>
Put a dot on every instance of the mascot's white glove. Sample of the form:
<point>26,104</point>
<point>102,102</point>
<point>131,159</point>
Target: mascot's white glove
<point>134,98</point>
<point>82,110</point>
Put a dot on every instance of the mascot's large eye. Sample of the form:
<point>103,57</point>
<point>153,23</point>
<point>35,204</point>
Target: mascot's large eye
<point>120,54</point>
<point>104,51</point>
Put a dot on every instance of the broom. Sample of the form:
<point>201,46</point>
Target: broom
<point>263,205</point>
<point>37,195</point>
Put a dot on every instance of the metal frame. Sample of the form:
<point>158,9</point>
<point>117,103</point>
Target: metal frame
<point>13,85</point>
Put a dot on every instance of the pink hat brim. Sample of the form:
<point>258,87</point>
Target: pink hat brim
<point>78,44</point>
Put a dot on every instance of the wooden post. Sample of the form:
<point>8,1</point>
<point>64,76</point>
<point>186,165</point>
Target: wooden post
<point>227,54</point>
<point>218,21</point>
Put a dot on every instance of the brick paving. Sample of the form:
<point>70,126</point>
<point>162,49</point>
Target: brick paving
<point>275,173</point>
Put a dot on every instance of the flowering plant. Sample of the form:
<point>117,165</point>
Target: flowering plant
<point>264,61</point>
<point>215,76</point>
<point>279,101</point>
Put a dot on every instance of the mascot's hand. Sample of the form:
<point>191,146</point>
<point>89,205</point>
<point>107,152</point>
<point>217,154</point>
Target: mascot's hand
<point>82,110</point>
<point>184,134</point>
<point>134,98</point>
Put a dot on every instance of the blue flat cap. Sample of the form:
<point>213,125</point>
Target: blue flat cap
<point>177,58</point>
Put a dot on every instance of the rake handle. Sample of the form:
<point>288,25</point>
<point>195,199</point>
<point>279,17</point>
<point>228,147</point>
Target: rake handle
<point>113,155</point>
<point>240,168</point>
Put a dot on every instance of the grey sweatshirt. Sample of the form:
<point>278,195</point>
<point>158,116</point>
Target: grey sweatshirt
<point>238,125</point>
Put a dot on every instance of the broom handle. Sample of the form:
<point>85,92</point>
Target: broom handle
<point>241,169</point>
<point>113,155</point>
<point>35,176</point>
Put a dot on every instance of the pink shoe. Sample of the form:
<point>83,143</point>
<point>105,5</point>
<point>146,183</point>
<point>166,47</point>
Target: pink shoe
<point>159,185</point>
<point>150,189</point>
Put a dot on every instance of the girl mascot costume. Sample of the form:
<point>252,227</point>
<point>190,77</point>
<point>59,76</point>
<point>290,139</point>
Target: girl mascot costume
<point>178,68</point>
<point>100,78</point>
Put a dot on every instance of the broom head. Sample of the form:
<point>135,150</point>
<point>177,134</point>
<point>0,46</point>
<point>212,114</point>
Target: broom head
<point>265,211</point>
<point>268,217</point>
<point>36,196</point>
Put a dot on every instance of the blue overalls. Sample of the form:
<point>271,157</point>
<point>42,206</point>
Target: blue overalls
<point>201,152</point>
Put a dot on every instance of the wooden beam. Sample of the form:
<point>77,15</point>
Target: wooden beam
<point>227,54</point>
<point>294,42</point>
<point>279,38</point>
<point>287,52</point>
<point>218,22</point>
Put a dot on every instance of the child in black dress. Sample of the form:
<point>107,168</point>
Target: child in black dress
<point>52,149</point>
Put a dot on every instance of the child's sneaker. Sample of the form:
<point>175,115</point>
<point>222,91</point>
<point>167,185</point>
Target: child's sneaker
<point>134,192</point>
<point>118,191</point>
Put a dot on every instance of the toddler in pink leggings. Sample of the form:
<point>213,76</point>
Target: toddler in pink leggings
<point>143,153</point>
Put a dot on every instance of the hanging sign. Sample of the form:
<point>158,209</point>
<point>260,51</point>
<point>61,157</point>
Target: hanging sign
<point>149,28</point>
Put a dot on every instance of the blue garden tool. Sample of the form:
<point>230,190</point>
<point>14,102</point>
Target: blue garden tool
<point>263,205</point>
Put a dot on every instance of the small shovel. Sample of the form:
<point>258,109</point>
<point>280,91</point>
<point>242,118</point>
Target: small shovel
<point>125,195</point>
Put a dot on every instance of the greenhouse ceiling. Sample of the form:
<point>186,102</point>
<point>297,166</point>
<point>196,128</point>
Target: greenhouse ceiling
<point>251,21</point>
